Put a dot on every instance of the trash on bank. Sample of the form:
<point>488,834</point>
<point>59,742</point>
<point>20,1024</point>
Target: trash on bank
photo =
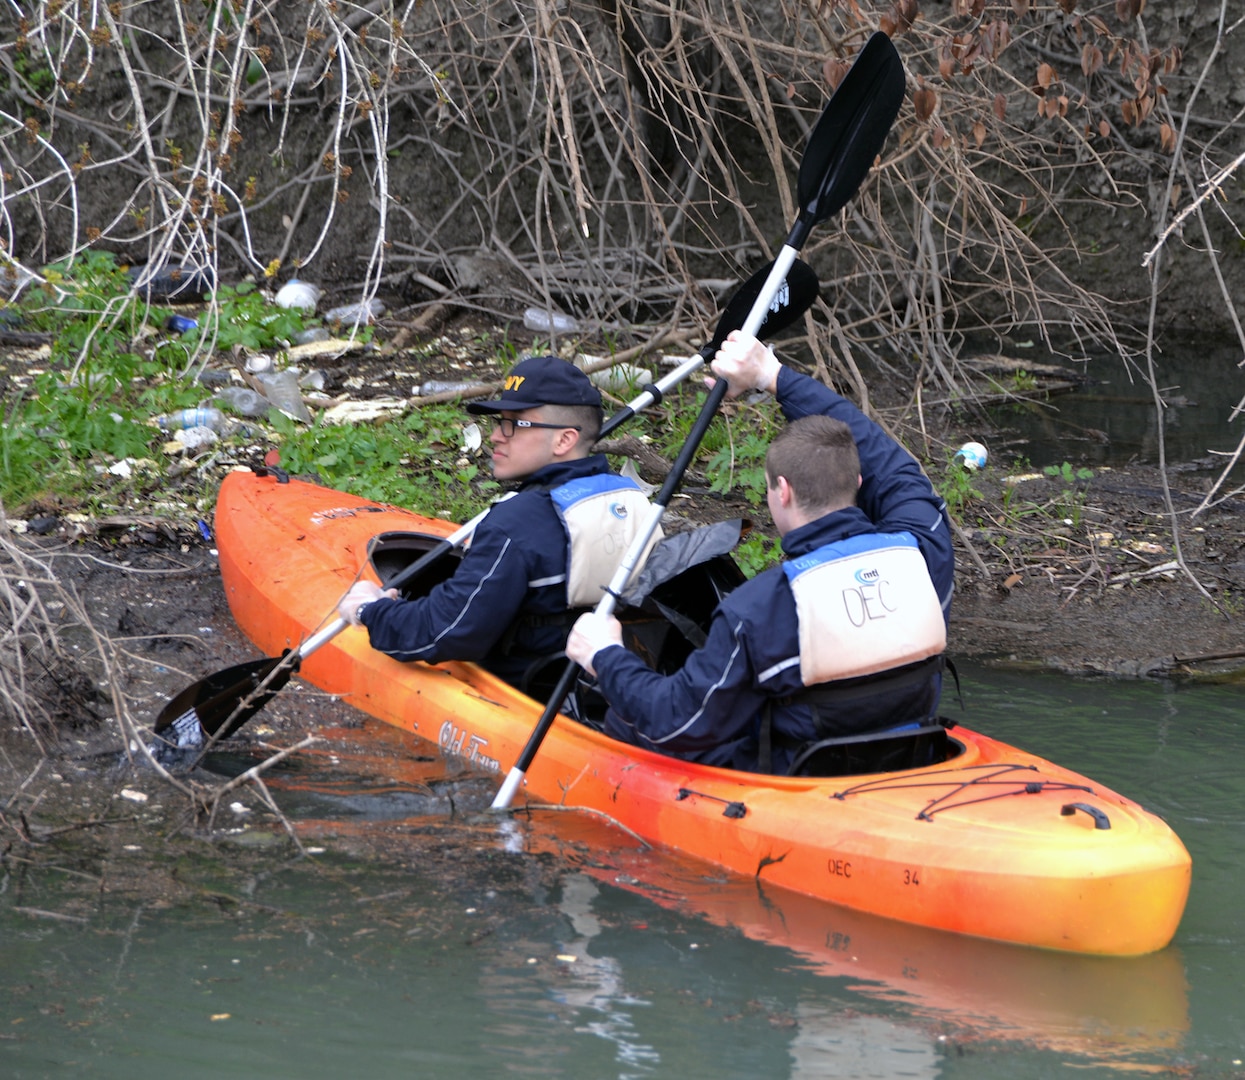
<point>329,348</point>
<point>540,320</point>
<point>282,389</point>
<point>243,400</point>
<point>355,314</point>
<point>362,412</point>
<point>301,295</point>
<point>180,324</point>
<point>205,417</point>
<point>442,386</point>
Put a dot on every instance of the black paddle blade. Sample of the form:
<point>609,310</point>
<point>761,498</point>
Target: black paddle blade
<point>794,298</point>
<point>210,707</point>
<point>850,134</point>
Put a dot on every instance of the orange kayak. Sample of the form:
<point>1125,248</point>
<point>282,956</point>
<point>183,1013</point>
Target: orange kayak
<point>994,842</point>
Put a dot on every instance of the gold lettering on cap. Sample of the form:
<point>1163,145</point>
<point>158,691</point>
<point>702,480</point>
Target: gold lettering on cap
<point>513,382</point>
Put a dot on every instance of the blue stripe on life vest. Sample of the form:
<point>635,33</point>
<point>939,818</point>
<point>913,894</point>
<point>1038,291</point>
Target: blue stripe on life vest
<point>567,495</point>
<point>845,549</point>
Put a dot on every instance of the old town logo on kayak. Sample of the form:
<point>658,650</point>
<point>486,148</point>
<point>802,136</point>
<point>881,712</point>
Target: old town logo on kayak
<point>337,512</point>
<point>462,743</point>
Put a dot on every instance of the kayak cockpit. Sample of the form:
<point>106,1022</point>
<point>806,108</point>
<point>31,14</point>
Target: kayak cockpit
<point>665,616</point>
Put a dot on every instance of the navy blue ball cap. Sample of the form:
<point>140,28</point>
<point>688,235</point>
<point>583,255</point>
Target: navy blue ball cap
<point>541,380</point>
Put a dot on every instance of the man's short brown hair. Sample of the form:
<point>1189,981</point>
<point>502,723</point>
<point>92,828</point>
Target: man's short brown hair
<point>818,457</point>
<point>587,418</point>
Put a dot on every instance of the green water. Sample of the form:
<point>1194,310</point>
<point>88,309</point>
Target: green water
<point>425,939</point>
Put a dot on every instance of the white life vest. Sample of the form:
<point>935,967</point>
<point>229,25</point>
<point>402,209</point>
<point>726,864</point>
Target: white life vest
<point>865,604</point>
<point>602,515</point>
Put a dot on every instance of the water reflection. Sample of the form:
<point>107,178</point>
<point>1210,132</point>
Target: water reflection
<point>1104,1008</point>
<point>1109,1010</point>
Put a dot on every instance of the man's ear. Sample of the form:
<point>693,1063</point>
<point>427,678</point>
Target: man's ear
<point>786,496</point>
<point>566,441</point>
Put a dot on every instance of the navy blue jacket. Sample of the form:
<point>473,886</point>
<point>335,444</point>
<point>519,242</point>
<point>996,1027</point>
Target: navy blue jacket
<point>513,570</point>
<point>711,710</point>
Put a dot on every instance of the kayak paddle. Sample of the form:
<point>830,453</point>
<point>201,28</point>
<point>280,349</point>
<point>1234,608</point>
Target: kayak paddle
<point>839,154</point>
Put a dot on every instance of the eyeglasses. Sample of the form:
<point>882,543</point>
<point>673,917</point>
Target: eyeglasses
<point>508,424</point>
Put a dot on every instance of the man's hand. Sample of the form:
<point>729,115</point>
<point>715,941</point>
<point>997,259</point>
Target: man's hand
<point>590,634</point>
<point>360,593</point>
<point>746,364</point>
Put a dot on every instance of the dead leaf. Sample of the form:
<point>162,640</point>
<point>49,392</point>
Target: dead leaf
<point>925,102</point>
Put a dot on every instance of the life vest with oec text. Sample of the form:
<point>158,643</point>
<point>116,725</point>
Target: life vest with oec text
<point>865,605</point>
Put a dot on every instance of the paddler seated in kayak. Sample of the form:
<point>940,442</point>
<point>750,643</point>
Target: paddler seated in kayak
<point>844,638</point>
<point>538,558</point>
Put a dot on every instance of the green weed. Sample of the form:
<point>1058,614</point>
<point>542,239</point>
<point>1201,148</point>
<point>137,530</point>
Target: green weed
<point>956,487</point>
<point>757,552</point>
<point>412,462</point>
<point>242,316</point>
<point>1070,503</point>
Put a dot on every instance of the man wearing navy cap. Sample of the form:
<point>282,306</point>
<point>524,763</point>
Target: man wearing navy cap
<point>537,559</point>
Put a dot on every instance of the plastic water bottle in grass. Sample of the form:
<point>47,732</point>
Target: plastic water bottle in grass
<point>183,419</point>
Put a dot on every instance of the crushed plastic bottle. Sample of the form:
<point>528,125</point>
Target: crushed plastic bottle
<point>243,400</point>
<point>282,390</point>
<point>539,319</point>
<point>298,294</point>
<point>355,314</point>
<point>312,334</point>
<point>185,419</point>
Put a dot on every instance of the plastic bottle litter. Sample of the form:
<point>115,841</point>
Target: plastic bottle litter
<point>440,386</point>
<point>621,377</point>
<point>243,400</point>
<point>184,419</point>
<point>282,390</point>
<point>298,294</point>
<point>312,334</point>
<point>196,438</point>
<point>354,314</point>
<point>257,362</point>
<point>972,455</point>
<point>535,318</point>
<point>180,324</point>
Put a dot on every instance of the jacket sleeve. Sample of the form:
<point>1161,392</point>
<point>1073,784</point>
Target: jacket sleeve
<point>464,616</point>
<point>701,712</point>
<point>894,492</point>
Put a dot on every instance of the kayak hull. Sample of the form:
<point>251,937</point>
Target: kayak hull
<point>995,843</point>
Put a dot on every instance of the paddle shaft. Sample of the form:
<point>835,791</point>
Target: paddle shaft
<point>618,583</point>
<point>784,308</point>
<point>840,151</point>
